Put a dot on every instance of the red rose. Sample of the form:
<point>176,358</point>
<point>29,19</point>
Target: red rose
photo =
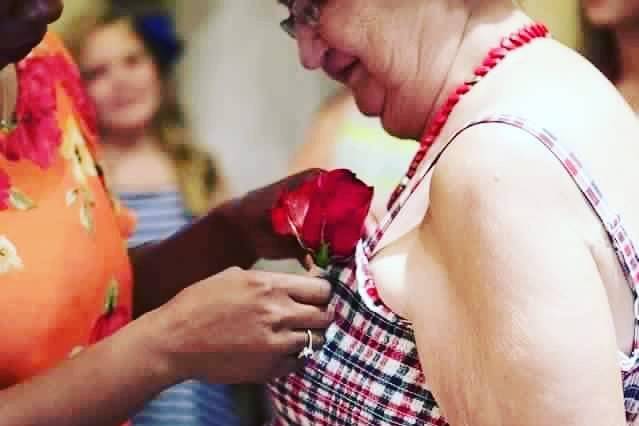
<point>326,215</point>
<point>114,318</point>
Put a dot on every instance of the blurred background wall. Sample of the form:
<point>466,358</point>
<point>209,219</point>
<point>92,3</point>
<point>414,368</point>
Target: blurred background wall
<point>560,15</point>
<point>248,98</point>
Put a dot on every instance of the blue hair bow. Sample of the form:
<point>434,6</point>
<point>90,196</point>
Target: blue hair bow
<point>158,32</point>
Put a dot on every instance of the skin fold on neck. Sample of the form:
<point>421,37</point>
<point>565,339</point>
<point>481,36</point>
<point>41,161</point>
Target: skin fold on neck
<point>474,27</point>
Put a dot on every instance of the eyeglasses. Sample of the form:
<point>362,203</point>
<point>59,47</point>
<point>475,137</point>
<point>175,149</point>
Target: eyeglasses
<point>305,12</point>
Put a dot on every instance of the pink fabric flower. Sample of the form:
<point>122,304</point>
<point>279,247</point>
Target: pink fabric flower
<point>5,190</point>
<point>37,134</point>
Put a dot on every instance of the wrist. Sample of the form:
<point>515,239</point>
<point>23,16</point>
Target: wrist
<point>238,223</point>
<point>154,346</point>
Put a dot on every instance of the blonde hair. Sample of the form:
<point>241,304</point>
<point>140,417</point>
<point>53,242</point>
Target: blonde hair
<point>199,178</point>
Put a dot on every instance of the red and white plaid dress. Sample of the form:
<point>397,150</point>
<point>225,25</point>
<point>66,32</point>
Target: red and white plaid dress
<point>368,373</point>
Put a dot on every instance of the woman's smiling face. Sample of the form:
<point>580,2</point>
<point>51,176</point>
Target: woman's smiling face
<point>357,43</point>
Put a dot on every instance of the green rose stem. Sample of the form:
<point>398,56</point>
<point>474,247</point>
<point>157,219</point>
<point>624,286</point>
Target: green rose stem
<point>321,257</point>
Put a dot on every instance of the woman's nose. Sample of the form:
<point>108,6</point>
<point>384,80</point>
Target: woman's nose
<point>311,46</point>
<point>120,78</point>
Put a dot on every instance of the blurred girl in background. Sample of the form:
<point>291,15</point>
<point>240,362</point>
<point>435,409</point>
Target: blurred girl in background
<point>151,162</point>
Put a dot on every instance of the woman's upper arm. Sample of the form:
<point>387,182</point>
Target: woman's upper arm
<point>518,329</point>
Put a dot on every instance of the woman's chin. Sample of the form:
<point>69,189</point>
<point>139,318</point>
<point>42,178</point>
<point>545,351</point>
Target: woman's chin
<point>369,100</point>
<point>401,128</point>
<point>130,122</point>
<point>370,107</point>
<point>132,127</point>
<point>368,93</point>
<point>373,106</point>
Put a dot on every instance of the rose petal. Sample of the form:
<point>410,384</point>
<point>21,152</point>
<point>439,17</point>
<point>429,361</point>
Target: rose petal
<point>346,197</point>
<point>347,201</point>
<point>290,211</point>
<point>314,223</point>
<point>297,202</point>
<point>334,177</point>
<point>345,220</point>
<point>279,217</point>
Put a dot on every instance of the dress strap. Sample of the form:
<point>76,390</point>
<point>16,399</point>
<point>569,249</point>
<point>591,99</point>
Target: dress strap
<point>623,245</point>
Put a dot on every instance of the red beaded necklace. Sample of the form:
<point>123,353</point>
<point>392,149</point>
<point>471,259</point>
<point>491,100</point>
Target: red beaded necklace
<point>494,57</point>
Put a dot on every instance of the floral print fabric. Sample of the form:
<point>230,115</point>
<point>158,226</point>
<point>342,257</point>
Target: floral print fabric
<point>65,277</point>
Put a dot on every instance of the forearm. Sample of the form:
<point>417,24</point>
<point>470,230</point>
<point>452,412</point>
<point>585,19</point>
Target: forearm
<point>209,246</point>
<point>104,385</point>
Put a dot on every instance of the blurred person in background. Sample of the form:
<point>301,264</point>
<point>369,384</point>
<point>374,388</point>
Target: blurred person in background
<point>340,136</point>
<point>127,63</point>
<point>151,162</point>
<point>612,43</point>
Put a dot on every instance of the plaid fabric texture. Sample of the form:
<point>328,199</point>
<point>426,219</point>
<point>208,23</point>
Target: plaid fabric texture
<point>368,373</point>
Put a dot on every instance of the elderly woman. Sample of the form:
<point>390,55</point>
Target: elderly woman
<point>499,288</point>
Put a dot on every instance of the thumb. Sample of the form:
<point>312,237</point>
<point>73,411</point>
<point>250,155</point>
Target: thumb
<point>307,262</point>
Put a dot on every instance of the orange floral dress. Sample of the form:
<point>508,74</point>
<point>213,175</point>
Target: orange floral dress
<point>65,276</point>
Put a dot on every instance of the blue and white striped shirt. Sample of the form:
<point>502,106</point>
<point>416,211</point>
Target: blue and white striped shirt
<point>191,403</point>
